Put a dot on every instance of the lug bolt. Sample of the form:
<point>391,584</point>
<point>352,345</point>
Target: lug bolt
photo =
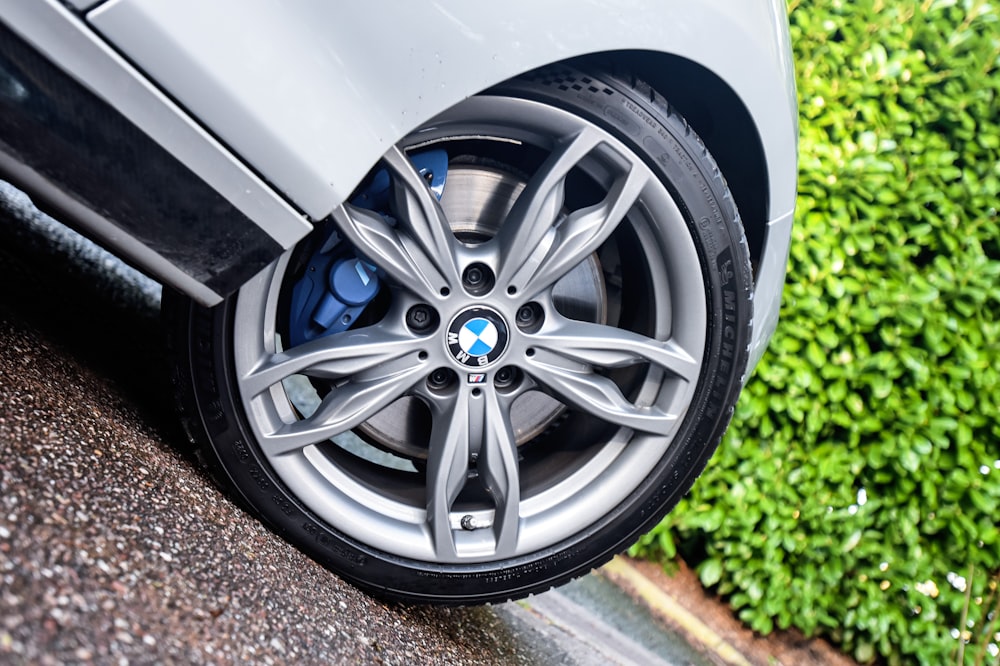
<point>529,316</point>
<point>505,377</point>
<point>478,279</point>
<point>440,378</point>
<point>420,318</point>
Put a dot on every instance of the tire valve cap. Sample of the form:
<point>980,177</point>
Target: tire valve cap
<point>469,523</point>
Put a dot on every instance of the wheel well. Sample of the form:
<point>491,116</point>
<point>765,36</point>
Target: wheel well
<point>717,115</point>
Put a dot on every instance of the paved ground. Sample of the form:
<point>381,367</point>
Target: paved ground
<point>114,547</point>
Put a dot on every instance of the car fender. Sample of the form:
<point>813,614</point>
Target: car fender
<point>311,94</point>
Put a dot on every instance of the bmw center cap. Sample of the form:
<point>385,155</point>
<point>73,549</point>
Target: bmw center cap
<point>477,337</point>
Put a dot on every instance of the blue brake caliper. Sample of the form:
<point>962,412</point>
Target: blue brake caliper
<point>338,284</point>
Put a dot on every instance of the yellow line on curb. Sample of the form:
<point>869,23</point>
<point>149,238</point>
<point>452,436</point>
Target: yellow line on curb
<point>663,604</point>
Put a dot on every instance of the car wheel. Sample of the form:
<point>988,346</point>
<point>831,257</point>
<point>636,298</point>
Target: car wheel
<point>505,358</point>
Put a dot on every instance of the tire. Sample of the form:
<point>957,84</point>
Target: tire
<point>611,297</point>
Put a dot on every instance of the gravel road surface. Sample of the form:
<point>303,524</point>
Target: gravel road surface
<point>102,523</point>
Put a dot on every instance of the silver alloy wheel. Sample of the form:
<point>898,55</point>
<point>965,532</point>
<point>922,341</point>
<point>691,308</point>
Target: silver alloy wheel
<point>477,497</point>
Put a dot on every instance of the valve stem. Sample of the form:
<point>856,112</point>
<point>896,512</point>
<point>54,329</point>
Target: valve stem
<point>469,523</point>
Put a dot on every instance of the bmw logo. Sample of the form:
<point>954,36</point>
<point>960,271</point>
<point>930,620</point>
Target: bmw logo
<point>477,337</point>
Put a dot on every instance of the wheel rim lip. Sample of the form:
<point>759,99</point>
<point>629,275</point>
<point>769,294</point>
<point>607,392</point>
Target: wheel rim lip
<point>548,517</point>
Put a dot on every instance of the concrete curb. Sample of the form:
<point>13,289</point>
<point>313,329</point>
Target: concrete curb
<point>666,606</point>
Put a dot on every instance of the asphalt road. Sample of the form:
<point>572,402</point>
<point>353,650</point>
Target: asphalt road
<point>116,548</point>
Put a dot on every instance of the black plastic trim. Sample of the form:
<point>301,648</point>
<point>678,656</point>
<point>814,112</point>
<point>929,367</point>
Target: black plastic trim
<point>72,138</point>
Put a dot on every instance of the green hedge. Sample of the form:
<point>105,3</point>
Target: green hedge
<point>860,480</point>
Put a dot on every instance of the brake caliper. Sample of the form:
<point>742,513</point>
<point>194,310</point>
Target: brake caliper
<point>338,283</point>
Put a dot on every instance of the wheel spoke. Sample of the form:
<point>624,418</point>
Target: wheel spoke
<point>538,248</point>
<point>473,422</point>
<point>529,225</point>
<point>447,470</point>
<point>381,243</point>
<point>346,406</point>
<point>595,394</point>
<point>582,232</point>
<point>609,347</point>
<point>418,210</point>
<point>329,357</point>
<point>394,252</point>
<point>498,469</point>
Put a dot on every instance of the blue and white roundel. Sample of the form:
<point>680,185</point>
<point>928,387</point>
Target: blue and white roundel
<point>478,337</point>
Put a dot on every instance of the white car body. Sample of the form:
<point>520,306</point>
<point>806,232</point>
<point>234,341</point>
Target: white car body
<point>283,108</point>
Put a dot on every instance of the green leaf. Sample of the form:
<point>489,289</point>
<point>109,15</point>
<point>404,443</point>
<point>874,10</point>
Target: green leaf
<point>710,572</point>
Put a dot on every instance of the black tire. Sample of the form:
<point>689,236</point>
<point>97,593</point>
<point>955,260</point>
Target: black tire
<point>204,344</point>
